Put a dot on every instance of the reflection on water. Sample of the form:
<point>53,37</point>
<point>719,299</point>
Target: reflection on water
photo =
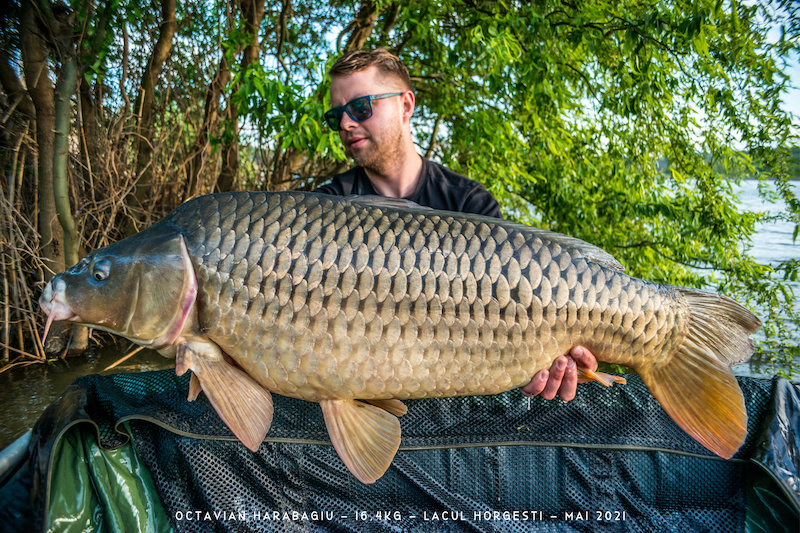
<point>26,392</point>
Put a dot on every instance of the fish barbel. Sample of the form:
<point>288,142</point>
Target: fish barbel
<point>360,303</point>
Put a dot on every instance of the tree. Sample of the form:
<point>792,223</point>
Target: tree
<point>252,13</point>
<point>144,107</point>
<point>624,123</point>
<point>33,50</point>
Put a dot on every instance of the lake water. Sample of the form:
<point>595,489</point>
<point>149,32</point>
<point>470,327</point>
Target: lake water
<point>771,245</point>
<point>26,392</point>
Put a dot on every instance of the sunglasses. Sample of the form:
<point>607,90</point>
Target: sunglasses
<point>359,109</point>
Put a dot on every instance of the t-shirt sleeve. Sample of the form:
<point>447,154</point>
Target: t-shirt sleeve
<point>343,184</point>
<point>444,188</point>
<point>481,202</point>
<point>334,187</point>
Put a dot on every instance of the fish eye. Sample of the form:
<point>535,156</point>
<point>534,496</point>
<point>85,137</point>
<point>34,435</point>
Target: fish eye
<point>101,269</point>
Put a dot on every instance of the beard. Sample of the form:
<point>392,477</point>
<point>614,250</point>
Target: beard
<point>381,152</point>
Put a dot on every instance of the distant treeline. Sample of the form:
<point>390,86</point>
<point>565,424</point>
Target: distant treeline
<point>794,164</point>
<point>745,166</point>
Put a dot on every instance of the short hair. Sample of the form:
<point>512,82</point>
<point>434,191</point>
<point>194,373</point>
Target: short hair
<point>387,63</point>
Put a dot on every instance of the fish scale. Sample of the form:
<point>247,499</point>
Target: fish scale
<point>335,300</point>
<point>416,237</point>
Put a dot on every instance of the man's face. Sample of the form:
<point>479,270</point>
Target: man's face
<point>375,142</point>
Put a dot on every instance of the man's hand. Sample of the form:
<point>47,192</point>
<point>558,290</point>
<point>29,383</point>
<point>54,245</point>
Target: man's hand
<point>562,378</point>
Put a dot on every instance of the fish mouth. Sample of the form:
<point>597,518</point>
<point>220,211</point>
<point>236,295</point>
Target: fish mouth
<point>54,304</point>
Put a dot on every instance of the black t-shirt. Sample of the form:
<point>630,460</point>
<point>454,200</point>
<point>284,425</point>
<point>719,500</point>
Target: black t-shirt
<point>438,188</point>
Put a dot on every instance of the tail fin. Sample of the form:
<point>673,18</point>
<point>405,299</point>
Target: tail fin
<point>696,386</point>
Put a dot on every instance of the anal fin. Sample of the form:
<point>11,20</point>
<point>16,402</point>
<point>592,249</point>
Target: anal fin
<point>365,436</point>
<point>239,400</point>
<point>584,374</point>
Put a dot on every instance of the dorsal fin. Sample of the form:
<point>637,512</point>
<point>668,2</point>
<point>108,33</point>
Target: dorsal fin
<point>587,250</point>
<point>384,201</point>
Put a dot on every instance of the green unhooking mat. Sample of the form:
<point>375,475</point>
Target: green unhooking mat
<point>127,452</point>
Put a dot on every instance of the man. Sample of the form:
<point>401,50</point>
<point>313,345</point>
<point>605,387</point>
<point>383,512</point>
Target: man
<point>373,103</point>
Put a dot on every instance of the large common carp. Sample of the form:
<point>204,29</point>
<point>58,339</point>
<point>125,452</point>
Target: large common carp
<point>337,300</point>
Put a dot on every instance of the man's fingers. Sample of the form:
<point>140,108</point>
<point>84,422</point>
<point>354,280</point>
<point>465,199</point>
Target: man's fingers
<point>562,378</point>
<point>536,385</point>
<point>569,384</point>
<point>584,359</point>
<point>557,371</point>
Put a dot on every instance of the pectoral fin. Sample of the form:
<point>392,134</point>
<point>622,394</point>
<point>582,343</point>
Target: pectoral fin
<point>243,404</point>
<point>585,374</point>
<point>194,388</point>
<point>365,436</point>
